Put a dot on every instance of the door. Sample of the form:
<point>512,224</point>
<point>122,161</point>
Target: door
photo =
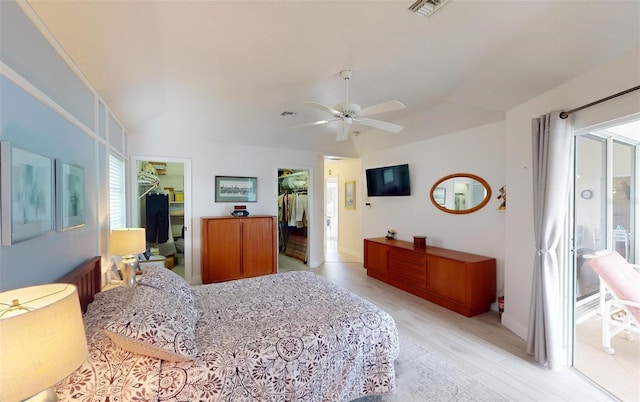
<point>176,182</point>
<point>258,246</point>
<point>221,249</point>
<point>605,217</point>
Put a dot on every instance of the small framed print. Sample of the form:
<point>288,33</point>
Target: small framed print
<point>350,195</point>
<point>236,189</point>
<point>69,196</point>
<point>27,194</point>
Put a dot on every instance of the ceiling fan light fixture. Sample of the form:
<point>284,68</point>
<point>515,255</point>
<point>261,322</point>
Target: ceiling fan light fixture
<point>426,8</point>
<point>346,113</point>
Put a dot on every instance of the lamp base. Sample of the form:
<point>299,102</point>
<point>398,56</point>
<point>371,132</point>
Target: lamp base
<point>48,395</point>
<point>129,269</point>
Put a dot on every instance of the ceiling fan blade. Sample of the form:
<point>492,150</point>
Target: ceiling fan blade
<point>381,108</point>
<point>315,123</point>
<point>382,125</point>
<point>324,108</point>
<point>343,131</point>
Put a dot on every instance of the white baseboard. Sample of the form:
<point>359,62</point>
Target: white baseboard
<point>514,326</point>
<point>353,253</point>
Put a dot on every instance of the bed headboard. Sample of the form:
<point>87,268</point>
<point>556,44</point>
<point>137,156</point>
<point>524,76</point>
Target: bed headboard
<point>87,277</point>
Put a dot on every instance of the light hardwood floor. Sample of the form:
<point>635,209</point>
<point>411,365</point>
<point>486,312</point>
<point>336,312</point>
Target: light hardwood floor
<point>479,346</point>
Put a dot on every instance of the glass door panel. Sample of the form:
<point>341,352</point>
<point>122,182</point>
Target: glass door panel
<point>623,212</point>
<point>590,209</point>
<point>605,217</point>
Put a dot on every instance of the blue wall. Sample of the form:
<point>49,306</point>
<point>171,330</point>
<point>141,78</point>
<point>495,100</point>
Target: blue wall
<point>46,109</point>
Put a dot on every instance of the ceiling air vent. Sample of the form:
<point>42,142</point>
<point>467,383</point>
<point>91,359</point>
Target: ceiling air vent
<point>426,8</point>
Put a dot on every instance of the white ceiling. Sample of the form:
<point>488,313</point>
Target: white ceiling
<point>225,70</point>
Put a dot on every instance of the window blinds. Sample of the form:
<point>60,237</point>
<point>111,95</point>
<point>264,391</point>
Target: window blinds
<point>117,207</point>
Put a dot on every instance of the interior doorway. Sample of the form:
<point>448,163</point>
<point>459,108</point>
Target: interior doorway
<point>605,217</point>
<point>161,202</point>
<point>331,224</point>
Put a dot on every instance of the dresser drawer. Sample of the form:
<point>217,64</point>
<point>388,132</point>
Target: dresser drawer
<point>408,267</point>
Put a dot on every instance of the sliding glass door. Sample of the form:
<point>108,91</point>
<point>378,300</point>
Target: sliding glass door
<point>605,217</point>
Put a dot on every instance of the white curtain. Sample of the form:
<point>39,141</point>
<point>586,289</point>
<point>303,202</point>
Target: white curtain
<point>552,148</point>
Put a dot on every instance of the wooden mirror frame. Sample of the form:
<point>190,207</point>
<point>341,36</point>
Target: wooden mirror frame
<point>465,211</point>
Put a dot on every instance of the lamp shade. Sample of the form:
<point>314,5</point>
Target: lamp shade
<point>42,338</point>
<point>128,241</point>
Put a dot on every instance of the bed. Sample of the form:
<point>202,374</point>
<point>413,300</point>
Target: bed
<point>282,337</point>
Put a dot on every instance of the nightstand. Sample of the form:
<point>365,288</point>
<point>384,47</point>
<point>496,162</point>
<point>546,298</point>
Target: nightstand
<point>111,285</point>
<point>158,261</point>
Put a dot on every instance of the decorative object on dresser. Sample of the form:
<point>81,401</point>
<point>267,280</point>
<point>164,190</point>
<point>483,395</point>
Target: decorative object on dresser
<point>462,282</point>
<point>239,210</point>
<point>127,243</point>
<point>42,340</point>
<point>238,247</point>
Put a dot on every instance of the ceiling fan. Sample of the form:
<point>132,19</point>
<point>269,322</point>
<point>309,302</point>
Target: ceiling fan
<point>346,113</point>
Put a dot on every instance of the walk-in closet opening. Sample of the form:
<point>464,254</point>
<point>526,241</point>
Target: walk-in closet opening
<point>293,215</point>
<point>158,206</point>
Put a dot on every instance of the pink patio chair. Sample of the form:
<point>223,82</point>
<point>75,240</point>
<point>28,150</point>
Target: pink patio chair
<point>620,280</point>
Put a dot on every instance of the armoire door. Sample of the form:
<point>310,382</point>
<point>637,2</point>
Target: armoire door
<point>259,245</point>
<point>221,250</point>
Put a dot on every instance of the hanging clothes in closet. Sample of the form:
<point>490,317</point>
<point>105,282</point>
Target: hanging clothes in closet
<point>157,218</point>
<point>293,209</point>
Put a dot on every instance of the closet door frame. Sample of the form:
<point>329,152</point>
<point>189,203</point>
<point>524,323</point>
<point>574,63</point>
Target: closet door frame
<point>134,211</point>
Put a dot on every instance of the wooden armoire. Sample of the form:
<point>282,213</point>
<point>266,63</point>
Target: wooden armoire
<point>238,247</point>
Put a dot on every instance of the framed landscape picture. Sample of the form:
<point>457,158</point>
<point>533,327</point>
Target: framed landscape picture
<point>236,189</point>
<point>350,195</point>
<point>69,196</point>
<point>27,194</point>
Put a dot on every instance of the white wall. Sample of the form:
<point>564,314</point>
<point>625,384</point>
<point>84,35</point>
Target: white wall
<point>479,151</point>
<point>211,159</point>
<point>615,76</point>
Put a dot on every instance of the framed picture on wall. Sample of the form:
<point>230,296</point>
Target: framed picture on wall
<point>350,195</point>
<point>236,189</point>
<point>69,196</point>
<point>26,179</point>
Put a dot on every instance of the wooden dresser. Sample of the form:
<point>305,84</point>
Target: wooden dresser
<point>462,282</point>
<point>238,247</point>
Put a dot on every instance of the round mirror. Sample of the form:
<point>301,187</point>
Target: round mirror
<point>460,193</point>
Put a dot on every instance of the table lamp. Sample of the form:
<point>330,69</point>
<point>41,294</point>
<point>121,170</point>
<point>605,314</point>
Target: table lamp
<point>127,243</point>
<point>42,340</point>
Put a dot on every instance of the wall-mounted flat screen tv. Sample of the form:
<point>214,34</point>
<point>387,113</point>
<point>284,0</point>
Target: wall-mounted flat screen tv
<point>388,181</point>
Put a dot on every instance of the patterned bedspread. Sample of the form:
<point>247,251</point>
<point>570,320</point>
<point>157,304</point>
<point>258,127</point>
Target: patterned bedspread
<point>285,337</point>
